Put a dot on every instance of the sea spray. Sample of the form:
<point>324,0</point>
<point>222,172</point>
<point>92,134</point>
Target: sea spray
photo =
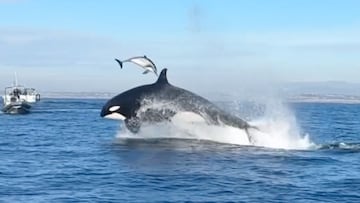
<point>277,129</point>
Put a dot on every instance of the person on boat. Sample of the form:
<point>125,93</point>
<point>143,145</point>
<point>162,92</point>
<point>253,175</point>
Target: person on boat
<point>17,93</point>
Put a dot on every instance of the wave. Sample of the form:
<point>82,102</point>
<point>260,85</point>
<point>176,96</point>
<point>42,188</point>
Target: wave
<point>354,147</point>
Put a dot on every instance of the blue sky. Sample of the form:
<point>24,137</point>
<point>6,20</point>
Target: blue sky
<point>71,45</point>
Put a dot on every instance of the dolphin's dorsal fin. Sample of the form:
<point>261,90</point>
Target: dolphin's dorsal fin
<point>162,77</point>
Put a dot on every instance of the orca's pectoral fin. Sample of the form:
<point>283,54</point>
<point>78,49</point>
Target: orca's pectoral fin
<point>119,62</point>
<point>146,71</point>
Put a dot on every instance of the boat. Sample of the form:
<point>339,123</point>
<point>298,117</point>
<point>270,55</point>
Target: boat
<point>17,99</point>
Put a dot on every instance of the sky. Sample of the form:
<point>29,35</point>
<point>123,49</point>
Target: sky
<point>205,44</point>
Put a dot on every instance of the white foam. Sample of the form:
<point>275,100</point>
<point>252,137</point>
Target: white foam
<point>182,129</point>
<point>277,129</point>
<point>279,134</point>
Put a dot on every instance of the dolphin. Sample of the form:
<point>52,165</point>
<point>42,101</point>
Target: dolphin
<point>141,61</point>
<point>161,101</point>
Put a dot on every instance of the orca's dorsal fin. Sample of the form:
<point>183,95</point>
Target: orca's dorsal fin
<point>162,77</point>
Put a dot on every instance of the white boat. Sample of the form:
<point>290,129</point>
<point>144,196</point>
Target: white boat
<point>17,99</point>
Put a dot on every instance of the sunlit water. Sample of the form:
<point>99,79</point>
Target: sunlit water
<point>64,152</point>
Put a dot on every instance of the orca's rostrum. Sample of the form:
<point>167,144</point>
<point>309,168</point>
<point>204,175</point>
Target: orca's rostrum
<point>138,105</point>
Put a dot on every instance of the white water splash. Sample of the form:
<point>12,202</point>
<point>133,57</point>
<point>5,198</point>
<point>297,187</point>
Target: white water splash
<point>279,134</point>
<point>277,129</point>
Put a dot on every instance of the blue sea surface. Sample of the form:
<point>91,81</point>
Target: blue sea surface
<point>65,152</point>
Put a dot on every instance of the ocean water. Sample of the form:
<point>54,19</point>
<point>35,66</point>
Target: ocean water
<point>65,152</point>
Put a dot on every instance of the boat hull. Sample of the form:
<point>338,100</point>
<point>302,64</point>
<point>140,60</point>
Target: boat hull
<point>17,108</point>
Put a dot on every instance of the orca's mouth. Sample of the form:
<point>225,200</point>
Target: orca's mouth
<point>115,116</point>
<point>112,114</point>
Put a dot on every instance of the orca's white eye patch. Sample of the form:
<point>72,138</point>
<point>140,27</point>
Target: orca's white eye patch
<point>114,108</point>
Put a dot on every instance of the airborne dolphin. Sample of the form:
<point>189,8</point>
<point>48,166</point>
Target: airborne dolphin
<point>133,107</point>
<point>141,61</point>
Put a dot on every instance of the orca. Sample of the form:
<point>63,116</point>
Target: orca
<point>161,101</point>
<point>141,61</point>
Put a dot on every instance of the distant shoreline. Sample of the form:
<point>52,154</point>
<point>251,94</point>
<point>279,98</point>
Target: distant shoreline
<point>328,98</point>
<point>303,98</point>
<point>334,101</point>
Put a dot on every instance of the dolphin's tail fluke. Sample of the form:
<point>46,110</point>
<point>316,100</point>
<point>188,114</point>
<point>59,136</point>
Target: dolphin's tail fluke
<point>119,62</point>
